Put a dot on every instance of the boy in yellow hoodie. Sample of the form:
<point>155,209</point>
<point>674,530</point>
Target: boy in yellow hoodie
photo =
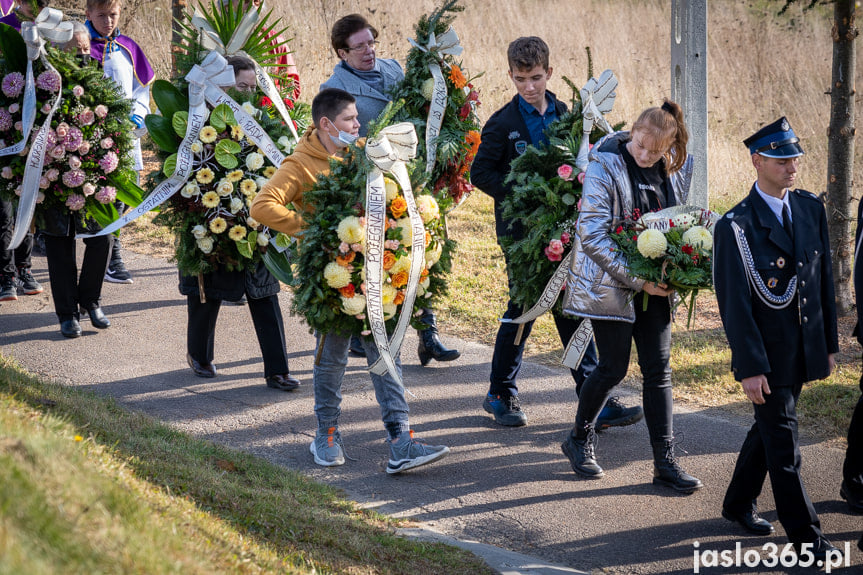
<point>334,113</point>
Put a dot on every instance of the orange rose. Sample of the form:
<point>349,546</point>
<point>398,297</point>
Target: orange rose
<point>346,259</point>
<point>399,280</point>
<point>348,290</point>
<point>428,238</point>
<point>389,259</point>
<point>472,138</point>
<point>400,297</point>
<point>424,274</point>
<point>398,207</point>
<point>457,77</point>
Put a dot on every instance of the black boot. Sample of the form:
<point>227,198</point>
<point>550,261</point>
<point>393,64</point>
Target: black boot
<point>580,447</point>
<point>667,472</point>
<point>430,346</point>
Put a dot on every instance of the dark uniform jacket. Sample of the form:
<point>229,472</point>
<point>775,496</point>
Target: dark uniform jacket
<point>504,138</point>
<point>225,285</point>
<point>789,345</point>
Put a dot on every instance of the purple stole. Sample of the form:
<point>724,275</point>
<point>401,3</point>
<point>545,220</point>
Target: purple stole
<point>12,20</point>
<point>141,66</point>
<point>6,8</point>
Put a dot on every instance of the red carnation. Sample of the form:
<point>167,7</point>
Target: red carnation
<point>266,101</point>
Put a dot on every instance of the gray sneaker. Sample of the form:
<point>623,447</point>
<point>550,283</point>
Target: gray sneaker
<point>407,453</point>
<point>8,288</point>
<point>327,448</point>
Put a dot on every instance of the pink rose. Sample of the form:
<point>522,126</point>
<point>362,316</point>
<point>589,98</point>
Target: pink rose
<point>344,247</point>
<point>74,162</point>
<point>77,91</point>
<point>555,247</point>
<point>14,107</point>
<point>6,172</point>
<point>106,143</point>
<point>58,152</point>
<point>552,257</point>
<point>62,129</point>
<point>87,117</point>
<point>101,110</point>
<point>89,189</point>
<point>18,126</point>
<point>581,178</point>
<point>564,172</point>
<point>84,147</point>
<point>46,107</point>
<point>52,174</point>
<point>44,183</point>
<point>564,237</point>
<point>357,247</point>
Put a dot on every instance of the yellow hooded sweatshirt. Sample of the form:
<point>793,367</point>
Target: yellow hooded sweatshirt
<point>298,173</point>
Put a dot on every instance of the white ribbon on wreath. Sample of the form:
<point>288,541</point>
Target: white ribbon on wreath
<point>206,83</point>
<point>210,40</point>
<point>389,152</point>
<point>47,26</point>
<point>446,44</point>
<point>597,98</point>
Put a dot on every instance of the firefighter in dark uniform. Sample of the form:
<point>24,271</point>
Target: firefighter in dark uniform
<point>774,285</point>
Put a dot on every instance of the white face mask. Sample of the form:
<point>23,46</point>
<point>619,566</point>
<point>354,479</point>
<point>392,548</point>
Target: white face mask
<point>344,139</point>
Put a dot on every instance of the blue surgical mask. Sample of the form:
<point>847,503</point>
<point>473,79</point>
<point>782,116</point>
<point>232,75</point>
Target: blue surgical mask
<point>344,139</point>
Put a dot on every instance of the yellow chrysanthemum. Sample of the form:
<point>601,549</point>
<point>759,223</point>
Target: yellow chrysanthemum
<point>237,233</point>
<point>208,134</point>
<point>237,133</point>
<point>652,244</point>
<point>205,176</point>
<point>218,225</point>
<point>336,276</point>
<point>248,187</point>
<point>392,189</point>
<point>354,305</point>
<point>196,147</point>
<point>433,254</point>
<point>403,264</point>
<point>428,208</point>
<point>404,226</point>
<point>699,238</point>
<point>269,171</point>
<point>210,199</point>
<point>234,176</point>
<point>350,230</point>
<point>390,310</point>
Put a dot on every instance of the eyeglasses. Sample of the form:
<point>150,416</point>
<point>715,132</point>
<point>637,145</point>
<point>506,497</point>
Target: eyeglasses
<point>370,45</point>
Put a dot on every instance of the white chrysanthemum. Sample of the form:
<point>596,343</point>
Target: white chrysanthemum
<point>254,161</point>
<point>205,244</point>
<point>252,222</point>
<point>699,238</point>
<point>261,182</point>
<point>225,188</point>
<point>354,305</point>
<point>190,190</point>
<point>428,208</point>
<point>404,226</point>
<point>250,109</point>
<point>402,264</point>
<point>652,243</point>
<point>390,310</point>
<point>263,239</point>
<point>388,293</point>
<point>350,230</point>
<point>236,205</point>
<point>683,221</point>
<point>199,232</point>
<point>427,89</point>
<point>392,189</point>
<point>433,254</point>
<point>336,276</point>
<point>197,147</point>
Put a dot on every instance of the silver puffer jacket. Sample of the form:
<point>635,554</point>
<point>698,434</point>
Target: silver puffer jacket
<point>598,286</point>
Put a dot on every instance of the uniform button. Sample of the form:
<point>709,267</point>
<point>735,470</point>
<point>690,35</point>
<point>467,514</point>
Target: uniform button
<point>816,252</point>
<point>805,319</point>
<point>803,284</point>
<point>804,301</point>
<point>799,264</point>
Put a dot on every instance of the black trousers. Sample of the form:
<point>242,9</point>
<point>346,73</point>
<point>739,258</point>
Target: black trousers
<point>852,469</point>
<point>652,335</point>
<point>771,446</point>
<point>69,290</point>
<point>11,260</point>
<point>269,327</point>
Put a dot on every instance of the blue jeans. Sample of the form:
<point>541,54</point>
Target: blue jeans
<point>652,334</point>
<point>330,370</point>
<point>507,357</point>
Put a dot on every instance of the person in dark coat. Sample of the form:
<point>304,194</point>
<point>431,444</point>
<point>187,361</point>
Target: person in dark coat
<point>774,285</point>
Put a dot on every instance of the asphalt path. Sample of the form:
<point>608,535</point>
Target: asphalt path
<point>510,488</point>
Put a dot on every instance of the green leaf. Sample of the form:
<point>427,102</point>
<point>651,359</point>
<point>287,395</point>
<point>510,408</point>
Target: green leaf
<point>170,165</point>
<point>225,154</point>
<point>221,117</point>
<point>128,190</point>
<point>162,133</point>
<point>13,48</point>
<point>169,98</point>
<point>283,240</point>
<point>244,248</point>
<point>104,214</point>
<point>568,199</point>
<point>180,121</point>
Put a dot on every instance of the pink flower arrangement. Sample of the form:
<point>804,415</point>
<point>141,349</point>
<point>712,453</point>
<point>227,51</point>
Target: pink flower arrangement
<point>101,111</point>
<point>106,194</point>
<point>75,202</point>
<point>554,251</point>
<point>109,162</point>
<point>13,84</point>
<point>87,117</point>
<point>73,178</point>
<point>106,143</point>
<point>564,172</point>
<point>49,80</point>
<point>5,120</point>
<point>77,91</point>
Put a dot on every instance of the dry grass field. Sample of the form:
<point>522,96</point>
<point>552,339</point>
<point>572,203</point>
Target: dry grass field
<point>761,66</point>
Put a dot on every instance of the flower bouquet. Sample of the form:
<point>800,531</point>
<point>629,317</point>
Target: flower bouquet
<point>673,246</point>
<point>546,190</point>
<point>86,163</point>
<point>333,250</point>
<point>440,100</point>
<point>239,139</point>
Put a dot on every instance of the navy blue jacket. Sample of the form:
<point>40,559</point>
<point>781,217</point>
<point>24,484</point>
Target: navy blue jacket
<point>504,138</point>
<point>789,345</point>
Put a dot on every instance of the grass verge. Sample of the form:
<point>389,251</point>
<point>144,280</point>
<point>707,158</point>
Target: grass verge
<point>89,487</point>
